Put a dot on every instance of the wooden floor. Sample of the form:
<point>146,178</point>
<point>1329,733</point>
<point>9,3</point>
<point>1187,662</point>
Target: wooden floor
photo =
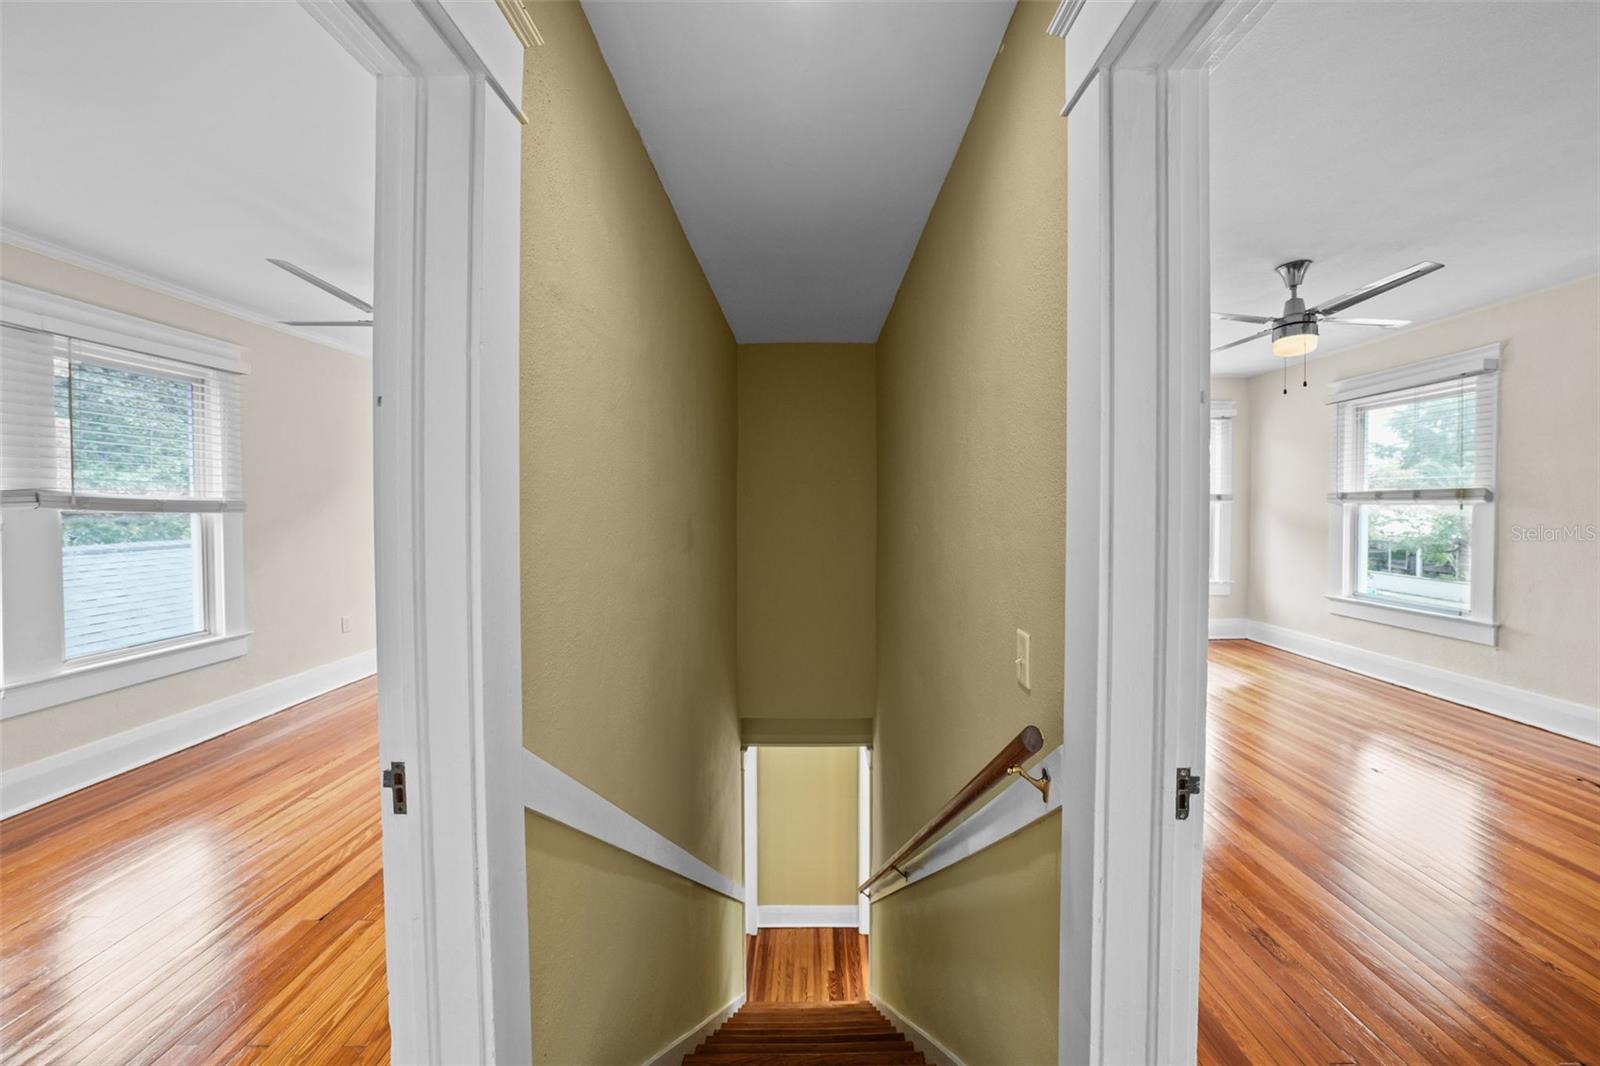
<point>806,966</point>
<point>1389,878</point>
<point>1392,878</point>
<point>221,905</point>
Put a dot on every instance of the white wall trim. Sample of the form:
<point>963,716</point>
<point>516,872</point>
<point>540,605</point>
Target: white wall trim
<point>1565,717</point>
<point>117,272</point>
<point>1011,810</point>
<point>553,794</point>
<point>673,1054</point>
<point>863,836</point>
<point>935,1052</point>
<point>28,695</point>
<point>1456,627</point>
<point>38,782</point>
<point>1484,359</point>
<point>1228,629</point>
<point>752,877</point>
<point>796,916</point>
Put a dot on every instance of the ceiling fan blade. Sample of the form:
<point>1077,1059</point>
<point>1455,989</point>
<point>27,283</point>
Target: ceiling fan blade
<point>363,322</point>
<point>1375,288</point>
<point>1381,323</point>
<point>326,286</point>
<point>1224,316</point>
<point>1242,340</point>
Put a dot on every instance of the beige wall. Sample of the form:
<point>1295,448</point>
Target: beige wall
<point>971,534</point>
<point>629,421</point>
<point>997,913</point>
<point>1235,603</point>
<point>807,811</point>
<point>612,938</point>
<point>307,442</point>
<point>1547,593</point>
<point>807,510</point>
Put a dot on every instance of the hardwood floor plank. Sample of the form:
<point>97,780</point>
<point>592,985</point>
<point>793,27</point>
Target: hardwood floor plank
<point>224,904</point>
<point>789,966</point>
<point>1390,877</point>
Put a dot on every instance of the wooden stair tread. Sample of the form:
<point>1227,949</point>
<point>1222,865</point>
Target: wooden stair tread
<point>853,1058</point>
<point>824,1034</point>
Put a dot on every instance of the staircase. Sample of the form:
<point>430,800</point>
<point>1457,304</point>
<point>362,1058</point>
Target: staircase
<point>836,1034</point>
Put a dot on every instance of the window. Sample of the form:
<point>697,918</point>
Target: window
<point>1413,495</point>
<point>1222,412</point>
<point>122,497</point>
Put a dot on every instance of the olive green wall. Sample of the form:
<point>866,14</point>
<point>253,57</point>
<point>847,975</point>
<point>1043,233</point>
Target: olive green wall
<point>807,819</point>
<point>621,967</point>
<point>983,934</point>
<point>629,422</point>
<point>807,516</point>
<point>971,541</point>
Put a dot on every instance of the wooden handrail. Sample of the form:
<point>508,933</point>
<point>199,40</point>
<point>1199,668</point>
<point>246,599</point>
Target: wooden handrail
<point>1007,763</point>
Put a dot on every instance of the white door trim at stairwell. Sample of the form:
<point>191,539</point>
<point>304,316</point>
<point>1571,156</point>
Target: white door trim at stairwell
<point>1138,378</point>
<point>445,288</point>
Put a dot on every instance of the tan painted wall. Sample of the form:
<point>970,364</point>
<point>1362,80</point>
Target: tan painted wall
<point>629,425</point>
<point>308,520</point>
<point>971,537</point>
<point>807,510</point>
<point>629,422</point>
<point>1547,592</point>
<point>628,929</point>
<point>997,913</point>
<point>807,820</point>
<point>971,448</point>
<point>1234,605</point>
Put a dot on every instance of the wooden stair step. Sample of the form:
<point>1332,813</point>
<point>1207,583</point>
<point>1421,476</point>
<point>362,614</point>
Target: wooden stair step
<point>796,1046</point>
<point>852,1058</point>
<point>803,1035</point>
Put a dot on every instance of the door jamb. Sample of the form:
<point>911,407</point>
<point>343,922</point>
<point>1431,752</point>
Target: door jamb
<point>446,502</point>
<point>1138,372</point>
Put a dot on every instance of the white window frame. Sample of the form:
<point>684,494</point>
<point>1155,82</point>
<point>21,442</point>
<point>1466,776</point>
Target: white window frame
<point>34,671</point>
<point>1221,514</point>
<point>1478,624</point>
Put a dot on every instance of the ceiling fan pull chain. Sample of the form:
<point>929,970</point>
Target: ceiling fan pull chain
<point>1303,382</point>
<point>1285,365</point>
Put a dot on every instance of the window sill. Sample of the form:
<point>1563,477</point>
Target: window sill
<point>1472,630</point>
<point>81,682</point>
<point>1222,588</point>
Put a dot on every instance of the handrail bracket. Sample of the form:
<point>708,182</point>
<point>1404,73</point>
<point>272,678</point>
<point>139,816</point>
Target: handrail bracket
<point>1042,782</point>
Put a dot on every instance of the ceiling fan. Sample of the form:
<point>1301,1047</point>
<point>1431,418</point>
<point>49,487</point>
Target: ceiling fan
<point>331,289</point>
<point>1294,331</point>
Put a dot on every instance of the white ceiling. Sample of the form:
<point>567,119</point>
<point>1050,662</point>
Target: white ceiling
<point>188,142</point>
<point>802,143</point>
<point>1370,136</point>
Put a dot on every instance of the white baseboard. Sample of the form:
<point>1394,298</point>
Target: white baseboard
<point>935,1052</point>
<point>783,916</point>
<point>1228,628</point>
<point>673,1054</point>
<point>34,783</point>
<point>1566,717</point>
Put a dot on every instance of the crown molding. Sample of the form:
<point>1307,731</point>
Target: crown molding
<point>116,271</point>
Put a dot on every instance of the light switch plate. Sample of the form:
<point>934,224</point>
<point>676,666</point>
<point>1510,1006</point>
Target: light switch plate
<point>344,623</point>
<point>1023,677</point>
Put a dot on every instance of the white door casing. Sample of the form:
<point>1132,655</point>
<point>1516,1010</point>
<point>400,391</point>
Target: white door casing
<point>1138,373</point>
<point>446,496</point>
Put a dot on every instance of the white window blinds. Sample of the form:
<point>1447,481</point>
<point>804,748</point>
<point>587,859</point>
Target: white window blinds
<point>87,426</point>
<point>1222,457</point>
<point>1430,441</point>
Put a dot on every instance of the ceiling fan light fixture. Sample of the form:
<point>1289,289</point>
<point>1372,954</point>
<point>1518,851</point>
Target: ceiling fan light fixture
<point>1290,340</point>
